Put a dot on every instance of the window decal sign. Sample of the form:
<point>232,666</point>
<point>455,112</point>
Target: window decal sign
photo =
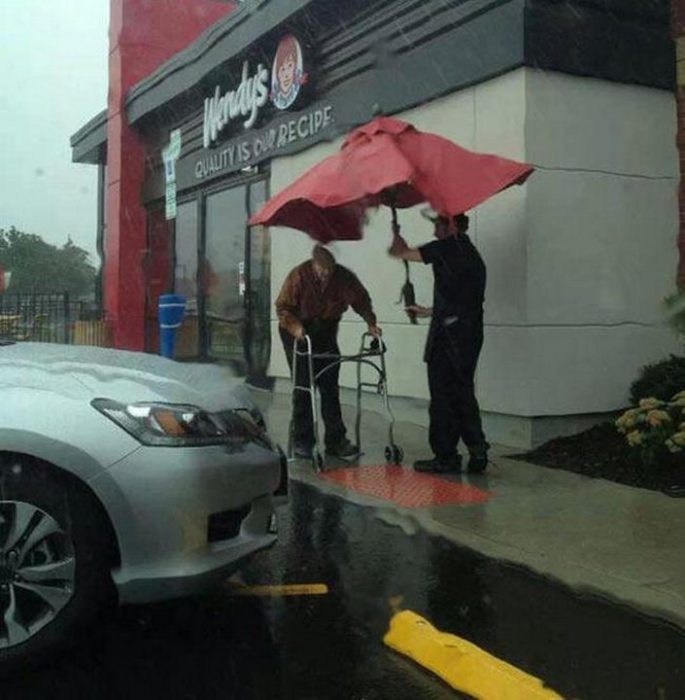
<point>170,155</point>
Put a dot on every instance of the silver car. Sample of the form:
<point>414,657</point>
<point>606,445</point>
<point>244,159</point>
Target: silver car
<point>121,472</point>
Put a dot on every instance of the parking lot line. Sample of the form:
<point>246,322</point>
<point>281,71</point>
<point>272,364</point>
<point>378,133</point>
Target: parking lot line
<point>298,589</point>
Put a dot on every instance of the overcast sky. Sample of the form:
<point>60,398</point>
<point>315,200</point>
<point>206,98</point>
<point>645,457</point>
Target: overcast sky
<point>53,79</point>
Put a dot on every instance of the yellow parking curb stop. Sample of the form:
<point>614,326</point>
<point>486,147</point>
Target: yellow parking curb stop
<point>462,665</point>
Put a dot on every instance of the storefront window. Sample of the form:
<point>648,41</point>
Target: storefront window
<point>223,269</point>
<point>186,277</point>
<point>186,254</point>
<point>260,287</point>
<point>158,269</point>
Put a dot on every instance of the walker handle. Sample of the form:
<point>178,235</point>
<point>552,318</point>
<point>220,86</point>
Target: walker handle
<point>378,346</point>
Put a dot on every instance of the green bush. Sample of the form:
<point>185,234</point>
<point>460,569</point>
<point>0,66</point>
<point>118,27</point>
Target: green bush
<point>662,380</point>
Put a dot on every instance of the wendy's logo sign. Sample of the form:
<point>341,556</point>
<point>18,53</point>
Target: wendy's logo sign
<point>252,94</point>
<point>287,75</point>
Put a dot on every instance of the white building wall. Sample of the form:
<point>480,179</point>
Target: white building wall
<point>602,223</point>
<point>578,260</point>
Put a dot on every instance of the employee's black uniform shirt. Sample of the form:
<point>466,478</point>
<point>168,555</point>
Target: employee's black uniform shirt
<point>459,293</point>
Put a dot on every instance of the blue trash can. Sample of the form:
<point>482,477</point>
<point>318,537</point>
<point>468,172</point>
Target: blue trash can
<point>172,309</point>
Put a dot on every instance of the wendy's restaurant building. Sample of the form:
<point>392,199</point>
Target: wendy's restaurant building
<point>197,137</point>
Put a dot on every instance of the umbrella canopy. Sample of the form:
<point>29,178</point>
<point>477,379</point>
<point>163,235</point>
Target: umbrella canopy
<point>388,161</point>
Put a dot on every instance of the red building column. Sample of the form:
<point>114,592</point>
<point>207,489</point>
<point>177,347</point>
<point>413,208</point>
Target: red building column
<point>143,35</point>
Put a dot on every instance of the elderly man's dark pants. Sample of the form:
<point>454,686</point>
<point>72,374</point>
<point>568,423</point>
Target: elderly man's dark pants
<point>454,410</point>
<point>324,342</point>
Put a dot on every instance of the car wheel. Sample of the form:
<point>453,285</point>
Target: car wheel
<point>54,573</point>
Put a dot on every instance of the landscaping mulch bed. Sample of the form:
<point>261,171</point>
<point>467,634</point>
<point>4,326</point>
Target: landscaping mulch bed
<point>602,453</point>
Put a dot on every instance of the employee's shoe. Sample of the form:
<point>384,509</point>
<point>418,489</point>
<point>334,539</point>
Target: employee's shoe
<point>478,459</point>
<point>343,450</point>
<point>303,451</point>
<point>438,465</point>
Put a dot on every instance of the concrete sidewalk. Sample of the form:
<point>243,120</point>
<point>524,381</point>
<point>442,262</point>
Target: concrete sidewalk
<point>598,537</point>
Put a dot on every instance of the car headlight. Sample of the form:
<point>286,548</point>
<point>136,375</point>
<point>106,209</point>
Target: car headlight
<point>174,425</point>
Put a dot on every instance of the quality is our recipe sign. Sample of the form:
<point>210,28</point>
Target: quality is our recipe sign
<point>279,138</point>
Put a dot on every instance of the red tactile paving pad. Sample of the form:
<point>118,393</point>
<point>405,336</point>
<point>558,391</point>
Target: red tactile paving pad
<point>406,488</point>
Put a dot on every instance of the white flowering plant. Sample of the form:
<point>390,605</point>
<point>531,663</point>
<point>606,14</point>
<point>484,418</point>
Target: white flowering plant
<point>655,429</point>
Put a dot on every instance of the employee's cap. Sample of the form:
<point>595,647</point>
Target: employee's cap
<point>431,215</point>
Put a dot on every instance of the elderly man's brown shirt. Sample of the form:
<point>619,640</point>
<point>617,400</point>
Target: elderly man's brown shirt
<point>303,298</point>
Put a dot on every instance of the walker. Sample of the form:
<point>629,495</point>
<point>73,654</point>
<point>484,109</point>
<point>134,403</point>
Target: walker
<point>372,354</point>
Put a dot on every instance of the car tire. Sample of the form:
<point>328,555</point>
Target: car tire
<point>54,561</point>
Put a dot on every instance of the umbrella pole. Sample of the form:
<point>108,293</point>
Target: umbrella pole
<point>409,295</point>
<point>408,292</point>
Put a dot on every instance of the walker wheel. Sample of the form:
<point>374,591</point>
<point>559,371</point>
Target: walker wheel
<point>394,454</point>
<point>318,463</point>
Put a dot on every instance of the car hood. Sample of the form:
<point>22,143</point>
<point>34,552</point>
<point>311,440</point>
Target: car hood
<point>127,377</point>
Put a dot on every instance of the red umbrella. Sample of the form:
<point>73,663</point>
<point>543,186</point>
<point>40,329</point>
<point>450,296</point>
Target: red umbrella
<point>388,161</point>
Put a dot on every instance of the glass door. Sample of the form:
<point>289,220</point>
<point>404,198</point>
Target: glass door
<point>224,278</point>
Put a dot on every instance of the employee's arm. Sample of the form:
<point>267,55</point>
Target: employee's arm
<point>400,249</point>
<point>420,311</point>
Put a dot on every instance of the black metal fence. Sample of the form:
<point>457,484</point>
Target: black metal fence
<point>49,318</point>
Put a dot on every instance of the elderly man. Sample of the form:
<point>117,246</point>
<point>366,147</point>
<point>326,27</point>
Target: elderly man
<point>454,342</point>
<point>312,301</point>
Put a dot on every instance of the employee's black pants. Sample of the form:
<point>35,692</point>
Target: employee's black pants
<point>324,340</point>
<point>454,410</point>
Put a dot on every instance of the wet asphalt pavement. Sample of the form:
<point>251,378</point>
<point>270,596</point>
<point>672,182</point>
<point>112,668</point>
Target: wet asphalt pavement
<point>330,647</point>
